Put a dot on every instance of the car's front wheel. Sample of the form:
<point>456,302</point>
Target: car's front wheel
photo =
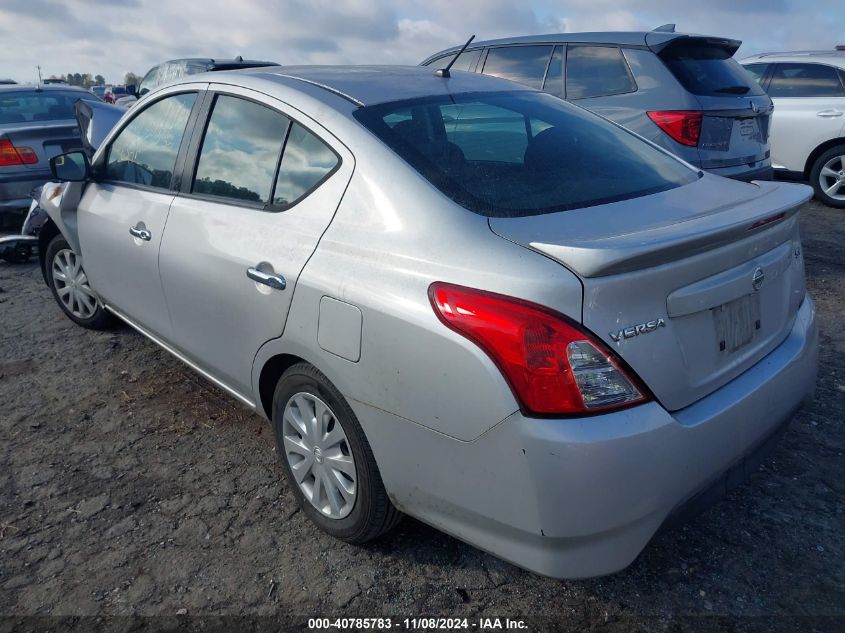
<point>71,290</point>
<point>327,459</point>
<point>827,177</point>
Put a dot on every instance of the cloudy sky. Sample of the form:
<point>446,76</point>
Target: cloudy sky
<point>111,37</point>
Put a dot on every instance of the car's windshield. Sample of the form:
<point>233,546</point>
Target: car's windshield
<point>514,154</point>
<point>35,105</point>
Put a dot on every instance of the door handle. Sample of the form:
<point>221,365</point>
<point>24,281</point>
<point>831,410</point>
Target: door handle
<point>274,281</point>
<point>829,114</point>
<point>141,234</point>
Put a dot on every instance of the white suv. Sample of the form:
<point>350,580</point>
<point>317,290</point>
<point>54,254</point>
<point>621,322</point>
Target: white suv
<point>808,126</point>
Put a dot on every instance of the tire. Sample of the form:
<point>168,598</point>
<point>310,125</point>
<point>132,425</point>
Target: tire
<point>20,254</point>
<point>83,307</point>
<point>368,513</point>
<point>827,170</point>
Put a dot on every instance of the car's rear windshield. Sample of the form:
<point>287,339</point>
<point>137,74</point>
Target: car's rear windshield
<point>708,69</point>
<point>513,154</point>
<point>35,105</point>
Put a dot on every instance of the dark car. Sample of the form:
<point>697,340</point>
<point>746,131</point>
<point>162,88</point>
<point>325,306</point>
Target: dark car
<point>175,68</point>
<point>683,92</point>
<point>36,123</point>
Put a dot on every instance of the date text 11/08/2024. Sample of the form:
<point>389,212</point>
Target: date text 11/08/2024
<point>377,624</point>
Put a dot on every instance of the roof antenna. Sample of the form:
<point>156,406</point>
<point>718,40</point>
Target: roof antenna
<point>444,72</point>
<point>665,28</point>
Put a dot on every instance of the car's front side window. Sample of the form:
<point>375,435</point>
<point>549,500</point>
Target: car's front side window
<point>240,150</point>
<point>145,151</point>
<point>523,64</point>
<point>758,71</point>
<point>466,60</point>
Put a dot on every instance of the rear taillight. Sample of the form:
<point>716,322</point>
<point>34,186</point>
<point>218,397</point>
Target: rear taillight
<point>682,125</point>
<point>553,366</point>
<point>11,155</point>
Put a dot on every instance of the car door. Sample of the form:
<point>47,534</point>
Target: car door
<point>809,103</point>
<point>122,214</point>
<point>264,185</point>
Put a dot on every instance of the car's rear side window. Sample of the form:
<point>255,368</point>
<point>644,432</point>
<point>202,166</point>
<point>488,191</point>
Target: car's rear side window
<point>597,71</point>
<point>25,107</point>
<point>708,69</point>
<point>145,151</point>
<point>513,154</point>
<point>523,64</point>
<point>307,161</point>
<point>240,150</point>
<point>805,80</point>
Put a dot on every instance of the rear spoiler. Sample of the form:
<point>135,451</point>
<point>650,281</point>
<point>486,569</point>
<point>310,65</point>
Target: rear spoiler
<point>657,41</point>
<point>39,127</point>
<point>611,255</point>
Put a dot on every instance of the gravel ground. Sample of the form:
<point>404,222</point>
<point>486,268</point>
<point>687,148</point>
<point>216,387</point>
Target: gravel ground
<point>130,486</point>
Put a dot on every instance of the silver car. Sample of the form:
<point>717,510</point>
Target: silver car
<point>457,298</point>
<point>683,92</point>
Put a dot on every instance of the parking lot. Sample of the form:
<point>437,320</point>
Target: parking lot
<point>129,485</point>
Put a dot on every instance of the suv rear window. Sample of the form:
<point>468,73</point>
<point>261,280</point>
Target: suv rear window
<point>708,69</point>
<point>513,154</point>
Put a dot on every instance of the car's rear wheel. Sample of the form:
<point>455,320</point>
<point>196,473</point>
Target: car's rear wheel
<point>827,177</point>
<point>71,290</point>
<point>327,459</point>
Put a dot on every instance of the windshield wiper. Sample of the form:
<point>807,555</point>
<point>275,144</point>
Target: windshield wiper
<point>734,90</point>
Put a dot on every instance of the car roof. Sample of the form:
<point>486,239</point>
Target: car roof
<point>220,64</point>
<point>6,88</point>
<point>834,58</point>
<point>368,85</point>
<point>655,40</point>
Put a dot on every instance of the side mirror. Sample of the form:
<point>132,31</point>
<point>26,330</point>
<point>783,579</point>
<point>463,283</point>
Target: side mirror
<point>70,167</point>
<point>132,89</point>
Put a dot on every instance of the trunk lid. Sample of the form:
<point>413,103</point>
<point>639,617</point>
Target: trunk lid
<point>47,139</point>
<point>691,286</point>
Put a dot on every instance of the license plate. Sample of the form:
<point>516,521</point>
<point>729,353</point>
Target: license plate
<point>736,322</point>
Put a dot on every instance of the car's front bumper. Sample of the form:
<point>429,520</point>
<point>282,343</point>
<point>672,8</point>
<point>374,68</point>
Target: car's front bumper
<point>582,497</point>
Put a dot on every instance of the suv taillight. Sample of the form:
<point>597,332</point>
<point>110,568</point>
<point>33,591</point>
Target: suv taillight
<point>552,365</point>
<point>11,155</point>
<point>682,125</point>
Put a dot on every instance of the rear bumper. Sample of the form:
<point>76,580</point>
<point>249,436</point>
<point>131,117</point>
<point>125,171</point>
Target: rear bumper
<point>582,497</point>
<point>744,173</point>
<point>15,190</point>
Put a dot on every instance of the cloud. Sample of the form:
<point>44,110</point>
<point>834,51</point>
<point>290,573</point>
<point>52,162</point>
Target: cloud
<point>111,37</point>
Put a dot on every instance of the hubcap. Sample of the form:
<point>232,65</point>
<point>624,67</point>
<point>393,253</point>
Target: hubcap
<point>71,285</point>
<point>832,178</point>
<point>317,451</point>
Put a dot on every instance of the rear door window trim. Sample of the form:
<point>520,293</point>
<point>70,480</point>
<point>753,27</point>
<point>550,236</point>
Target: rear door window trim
<point>193,155</point>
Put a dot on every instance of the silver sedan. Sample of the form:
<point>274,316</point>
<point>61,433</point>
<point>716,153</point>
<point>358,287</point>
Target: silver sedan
<point>454,297</point>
